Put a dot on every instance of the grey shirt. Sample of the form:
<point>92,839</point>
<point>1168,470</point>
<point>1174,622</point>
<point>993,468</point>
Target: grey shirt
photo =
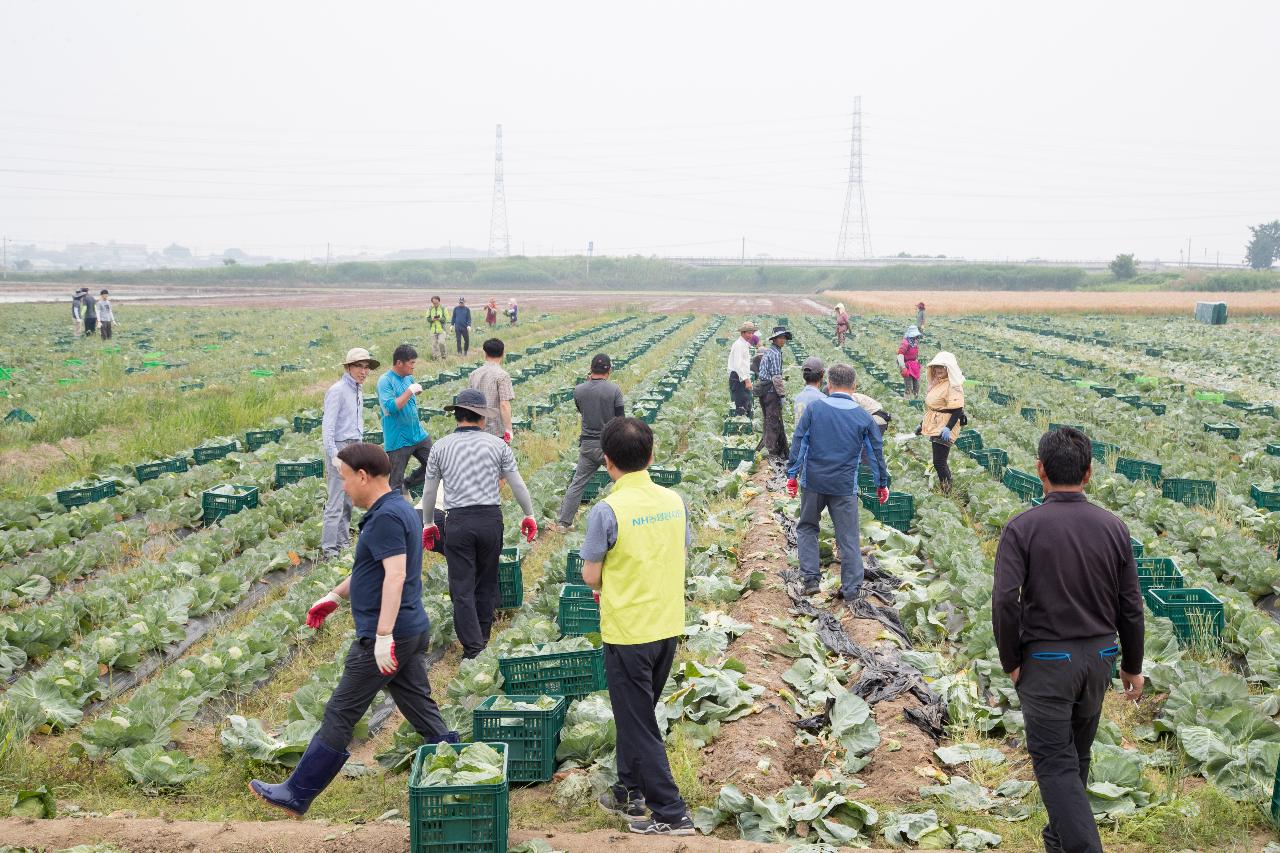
<point>599,401</point>
<point>343,415</point>
<point>602,531</point>
<point>471,462</point>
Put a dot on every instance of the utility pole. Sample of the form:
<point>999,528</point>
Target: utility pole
<point>744,250</point>
<point>855,227</point>
<point>591,245</point>
<point>327,253</point>
<point>1188,253</point>
<point>499,238</point>
<point>4,259</point>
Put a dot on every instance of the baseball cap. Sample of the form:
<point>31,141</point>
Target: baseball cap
<point>813,364</point>
<point>601,364</point>
<point>473,401</point>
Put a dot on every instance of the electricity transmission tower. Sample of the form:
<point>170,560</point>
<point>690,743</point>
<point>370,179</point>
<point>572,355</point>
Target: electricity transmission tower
<point>855,227</point>
<point>499,239</point>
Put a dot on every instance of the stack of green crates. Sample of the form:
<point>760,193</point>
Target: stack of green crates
<point>579,613</point>
<point>510,580</point>
<point>152,470</point>
<point>599,482</point>
<point>218,506</point>
<point>255,438</point>
<point>457,818</point>
<point>1197,614</point>
<point>569,674</point>
<point>532,737</point>
<point>291,472</point>
<point>1190,492</point>
<point>897,512</point>
<point>1136,469</point>
<point>1022,484</point>
<point>1158,572</point>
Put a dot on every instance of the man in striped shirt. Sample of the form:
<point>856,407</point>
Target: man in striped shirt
<point>472,463</point>
<point>770,390</point>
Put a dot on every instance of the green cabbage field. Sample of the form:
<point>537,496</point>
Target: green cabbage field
<point>160,505</point>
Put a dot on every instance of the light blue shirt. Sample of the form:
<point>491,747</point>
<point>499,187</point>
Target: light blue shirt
<point>808,395</point>
<point>343,415</point>
<point>400,427</point>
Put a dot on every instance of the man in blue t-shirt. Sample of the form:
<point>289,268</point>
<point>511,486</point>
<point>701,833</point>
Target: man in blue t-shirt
<point>392,631</point>
<point>402,434</point>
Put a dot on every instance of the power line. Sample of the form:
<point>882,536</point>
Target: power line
<point>855,228</point>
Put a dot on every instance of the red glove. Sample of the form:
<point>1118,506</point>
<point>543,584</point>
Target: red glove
<point>793,487</point>
<point>321,610</point>
<point>506,436</point>
<point>430,536</point>
<point>595,593</point>
<point>529,528</point>
<point>882,495</point>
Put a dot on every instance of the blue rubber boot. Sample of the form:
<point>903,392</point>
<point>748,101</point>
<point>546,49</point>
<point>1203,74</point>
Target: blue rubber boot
<point>315,770</point>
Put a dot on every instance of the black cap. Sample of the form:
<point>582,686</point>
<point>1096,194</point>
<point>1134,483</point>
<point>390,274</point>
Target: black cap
<point>601,364</point>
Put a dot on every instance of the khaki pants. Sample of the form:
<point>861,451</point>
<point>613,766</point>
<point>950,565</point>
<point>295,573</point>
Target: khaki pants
<point>437,345</point>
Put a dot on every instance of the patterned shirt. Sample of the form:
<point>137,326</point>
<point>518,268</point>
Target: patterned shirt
<point>495,383</point>
<point>770,364</point>
<point>472,463</point>
<point>343,415</point>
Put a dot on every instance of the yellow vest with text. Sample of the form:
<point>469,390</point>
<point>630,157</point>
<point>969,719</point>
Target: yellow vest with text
<point>642,585</point>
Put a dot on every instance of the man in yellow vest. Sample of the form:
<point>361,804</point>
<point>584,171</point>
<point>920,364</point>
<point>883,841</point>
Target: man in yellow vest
<point>634,554</point>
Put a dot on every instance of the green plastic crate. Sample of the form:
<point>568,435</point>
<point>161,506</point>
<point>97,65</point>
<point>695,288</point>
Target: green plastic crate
<point>1161,572</point>
<point>1197,614</point>
<point>897,512</point>
<point>732,457</point>
<point>867,478</point>
<point>291,472</point>
<point>457,818</point>
<point>737,426</point>
<point>573,567</point>
<point>370,402</point>
<point>1273,449</point>
<point>569,674</point>
<point>305,424</point>
<point>190,386</point>
<point>372,436</point>
<point>87,494</point>
<point>1076,427</point>
<point>1104,390</point>
<point>1263,499</point>
<point>152,470</point>
<point>219,506</point>
<point>1156,408</point>
<point>21,416</point>
<point>1225,429</point>
<point>1137,546</point>
<point>598,483</point>
<point>536,410</point>
<point>994,459</point>
<point>1102,450</point>
<point>1190,492</point>
<point>1210,396</point>
<point>1130,399</point>
<point>1137,469</point>
<point>1033,414</point>
<point>998,397</point>
<point>532,737</point>
<point>665,476</point>
<point>969,440</point>
<point>211,452</point>
<point>916,403</point>
<point>579,612</point>
<point>1024,485</point>
<point>255,438</point>
<point>510,583</point>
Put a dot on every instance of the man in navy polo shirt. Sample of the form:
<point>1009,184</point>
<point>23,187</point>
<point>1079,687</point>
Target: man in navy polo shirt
<point>392,631</point>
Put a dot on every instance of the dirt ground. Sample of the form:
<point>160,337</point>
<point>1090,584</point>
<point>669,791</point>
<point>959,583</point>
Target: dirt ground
<point>941,302</point>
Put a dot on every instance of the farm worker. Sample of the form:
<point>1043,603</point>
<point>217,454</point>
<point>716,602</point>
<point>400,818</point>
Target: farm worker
<point>513,311</point>
<point>1065,585</point>
<point>814,370</point>
<point>494,382</point>
<point>770,389</point>
<point>342,424</point>
<point>106,315</point>
<point>599,401</point>
<point>491,313</point>
<point>89,310</point>
<point>436,322</point>
<point>77,302</point>
<point>842,324</point>
<point>472,463</point>
<point>740,370</point>
<point>830,438</point>
<point>461,322</point>
<point>403,436</point>
<point>943,412</point>
<point>909,362</point>
<point>634,555</point>
<point>920,316</point>
<point>392,631</point>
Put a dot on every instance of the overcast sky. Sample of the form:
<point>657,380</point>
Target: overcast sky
<point>1013,130</point>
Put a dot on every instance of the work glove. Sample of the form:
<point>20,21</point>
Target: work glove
<point>506,436</point>
<point>384,652</point>
<point>902,364</point>
<point>529,528</point>
<point>430,536</point>
<point>334,461</point>
<point>945,435</point>
<point>595,593</point>
<point>415,389</point>
<point>321,610</point>
<point>882,495</point>
<point>793,487</point>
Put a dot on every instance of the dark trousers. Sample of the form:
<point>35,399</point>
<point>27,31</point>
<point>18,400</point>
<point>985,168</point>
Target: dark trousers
<point>462,338</point>
<point>1061,705</point>
<point>472,546</point>
<point>910,386</point>
<point>590,458</point>
<point>941,451</point>
<point>361,681</point>
<point>105,327</point>
<point>400,460</point>
<point>775,435</point>
<point>739,395</point>
<point>90,325</point>
<point>636,675</point>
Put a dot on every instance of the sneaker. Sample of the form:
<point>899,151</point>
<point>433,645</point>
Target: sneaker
<point>810,588</point>
<point>633,809</point>
<point>653,826</point>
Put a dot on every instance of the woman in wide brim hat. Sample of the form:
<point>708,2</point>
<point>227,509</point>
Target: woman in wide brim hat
<point>780,332</point>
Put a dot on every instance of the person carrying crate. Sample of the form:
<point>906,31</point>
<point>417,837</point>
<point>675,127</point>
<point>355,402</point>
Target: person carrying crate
<point>392,631</point>
<point>472,464</point>
<point>599,401</point>
<point>634,555</point>
<point>1065,585</point>
<point>830,438</point>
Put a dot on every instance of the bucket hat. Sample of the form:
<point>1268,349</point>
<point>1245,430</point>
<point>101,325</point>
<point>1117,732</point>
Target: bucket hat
<point>360,354</point>
<point>780,332</point>
<point>471,400</point>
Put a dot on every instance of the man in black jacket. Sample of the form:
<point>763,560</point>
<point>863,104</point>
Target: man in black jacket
<point>1065,586</point>
<point>461,322</point>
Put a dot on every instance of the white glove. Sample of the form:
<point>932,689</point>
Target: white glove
<point>335,461</point>
<point>415,389</point>
<point>902,362</point>
<point>384,652</point>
